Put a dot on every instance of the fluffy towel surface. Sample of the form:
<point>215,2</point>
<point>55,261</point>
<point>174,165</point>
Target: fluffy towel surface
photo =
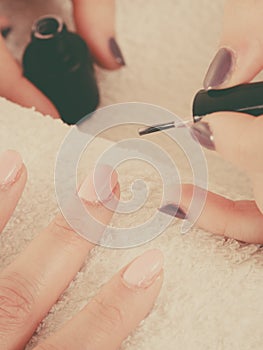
<point>212,293</point>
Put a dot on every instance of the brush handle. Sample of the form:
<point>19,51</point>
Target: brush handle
<point>245,98</point>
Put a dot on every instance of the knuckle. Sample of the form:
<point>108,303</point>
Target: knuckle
<point>16,301</point>
<point>109,315</point>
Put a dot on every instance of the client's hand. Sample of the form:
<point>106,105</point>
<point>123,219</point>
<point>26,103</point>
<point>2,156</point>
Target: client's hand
<point>39,275</point>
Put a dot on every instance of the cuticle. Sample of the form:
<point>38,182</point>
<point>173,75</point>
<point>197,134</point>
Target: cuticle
<point>97,203</point>
<point>143,286</point>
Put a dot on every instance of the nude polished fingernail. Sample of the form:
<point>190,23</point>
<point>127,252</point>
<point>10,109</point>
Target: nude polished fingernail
<point>10,165</point>
<point>99,185</point>
<point>202,133</point>
<point>116,52</point>
<point>220,69</point>
<point>143,271</point>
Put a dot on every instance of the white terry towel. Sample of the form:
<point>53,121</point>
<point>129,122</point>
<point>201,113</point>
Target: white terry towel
<point>212,293</point>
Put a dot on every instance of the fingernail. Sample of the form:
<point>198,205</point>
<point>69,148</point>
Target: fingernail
<point>99,185</point>
<point>116,52</point>
<point>202,133</point>
<point>144,270</point>
<point>220,69</point>
<point>173,210</point>
<point>6,31</point>
<point>10,166</point>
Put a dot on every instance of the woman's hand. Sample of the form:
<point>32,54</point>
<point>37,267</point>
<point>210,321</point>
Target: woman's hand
<point>237,137</point>
<point>95,23</point>
<point>39,275</point>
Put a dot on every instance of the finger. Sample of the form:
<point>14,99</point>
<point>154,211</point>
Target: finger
<point>35,280</point>
<point>240,53</point>
<point>18,89</point>
<point>241,220</point>
<point>13,177</point>
<point>95,23</point>
<point>236,136</point>
<point>121,304</point>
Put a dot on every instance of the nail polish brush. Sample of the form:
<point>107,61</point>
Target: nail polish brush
<point>245,98</point>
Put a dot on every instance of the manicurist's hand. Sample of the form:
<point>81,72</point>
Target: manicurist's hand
<point>95,23</point>
<point>39,275</point>
<point>236,137</point>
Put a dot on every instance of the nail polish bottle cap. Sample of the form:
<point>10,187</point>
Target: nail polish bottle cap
<point>47,27</point>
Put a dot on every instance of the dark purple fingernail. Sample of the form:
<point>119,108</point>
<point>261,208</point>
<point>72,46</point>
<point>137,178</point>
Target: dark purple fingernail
<point>220,69</point>
<point>116,52</point>
<point>202,133</point>
<point>6,31</point>
<point>173,210</point>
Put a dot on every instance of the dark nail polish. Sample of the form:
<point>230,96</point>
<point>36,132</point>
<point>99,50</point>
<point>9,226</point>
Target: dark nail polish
<point>6,31</point>
<point>59,63</point>
<point>219,69</point>
<point>173,210</point>
<point>116,51</point>
<point>202,133</point>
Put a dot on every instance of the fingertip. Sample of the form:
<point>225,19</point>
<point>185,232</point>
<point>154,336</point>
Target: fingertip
<point>107,52</point>
<point>144,270</point>
<point>241,220</point>
<point>104,48</point>
<point>13,177</point>
<point>116,52</point>
<point>220,69</point>
<point>11,165</point>
<point>239,57</point>
<point>95,24</point>
<point>235,136</point>
<point>28,95</point>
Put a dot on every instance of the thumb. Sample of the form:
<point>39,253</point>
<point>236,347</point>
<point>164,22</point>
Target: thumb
<point>238,138</point>
<point>240,55</point>
<point>16,88</point>
<point>95,23</point>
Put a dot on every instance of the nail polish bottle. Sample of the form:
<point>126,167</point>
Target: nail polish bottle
<point>59,63</point>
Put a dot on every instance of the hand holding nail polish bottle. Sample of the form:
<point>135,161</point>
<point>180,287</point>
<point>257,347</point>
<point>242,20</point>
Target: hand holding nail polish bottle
<point>59,63</point>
